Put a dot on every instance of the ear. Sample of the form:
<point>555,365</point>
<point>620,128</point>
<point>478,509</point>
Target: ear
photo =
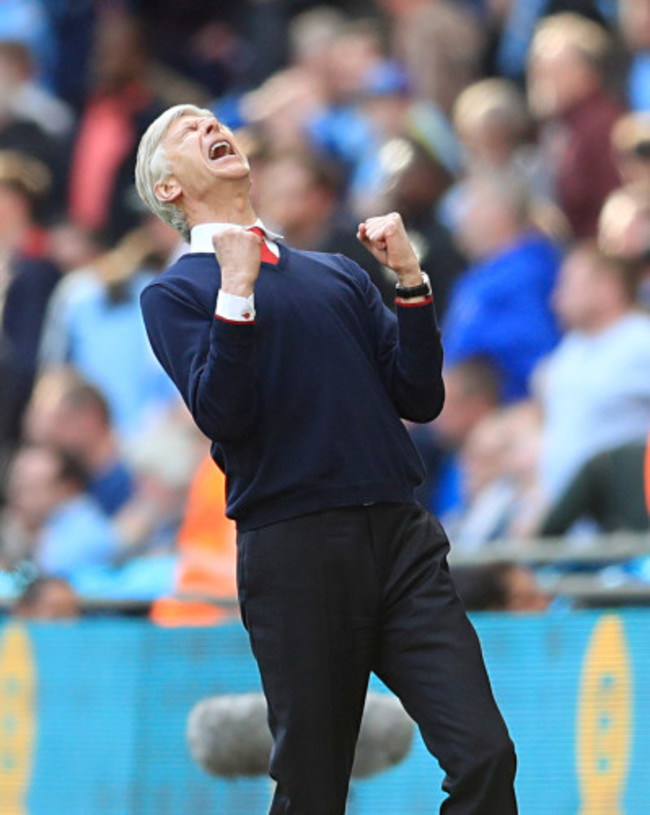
<point>167,191</point>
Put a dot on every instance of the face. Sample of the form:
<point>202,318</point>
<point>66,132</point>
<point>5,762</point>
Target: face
<point>483,219</point>
<point>634,21</point>
<point>557,79</point>
<point>461,412</point>
<point>289,199</point>
<point>34,489</point>
<point>14,209</point>
<point>624,228</point>
<point>576,291</point>
<point>483,452</point>
<point>57,601</point>
<point>201,153</point>
<point>486,142</point>
<point>75,430</point>
<point>523,592</point>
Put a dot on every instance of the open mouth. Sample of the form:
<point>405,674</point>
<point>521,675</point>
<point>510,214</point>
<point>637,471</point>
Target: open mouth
<point>220,149</point>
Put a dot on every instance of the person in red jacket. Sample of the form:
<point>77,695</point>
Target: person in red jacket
<point>566,89</point>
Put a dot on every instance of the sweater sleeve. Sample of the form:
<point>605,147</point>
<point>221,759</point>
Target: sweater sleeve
<point>211,361</point>
<point>409,354</point>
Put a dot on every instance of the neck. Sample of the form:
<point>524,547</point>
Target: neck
<point>605,319</point>
<point>99,455</point>
<point>235,209</point>
<point>307,236</point>
<point>500,241</point>
<point>13,234</point>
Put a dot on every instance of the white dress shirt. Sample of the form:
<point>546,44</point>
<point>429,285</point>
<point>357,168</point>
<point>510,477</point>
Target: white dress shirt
<point>231,307</point>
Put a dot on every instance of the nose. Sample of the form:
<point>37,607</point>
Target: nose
<point>210,126</point>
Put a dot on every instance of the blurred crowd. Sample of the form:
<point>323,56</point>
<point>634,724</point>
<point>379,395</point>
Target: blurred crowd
<point>514,138</point>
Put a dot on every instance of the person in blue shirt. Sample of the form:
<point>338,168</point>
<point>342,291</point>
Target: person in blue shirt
<point>69,413</point>
<point>500,308</point>
<point>47,501</point>
<point>291,364</point>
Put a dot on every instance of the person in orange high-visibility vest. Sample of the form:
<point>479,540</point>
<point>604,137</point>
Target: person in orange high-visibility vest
<point>208,554</point>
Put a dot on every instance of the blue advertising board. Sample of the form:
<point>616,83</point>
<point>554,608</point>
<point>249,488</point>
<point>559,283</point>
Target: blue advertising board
<point>93,717</point>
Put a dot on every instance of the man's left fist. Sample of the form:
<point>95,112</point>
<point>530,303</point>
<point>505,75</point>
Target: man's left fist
<point>385,237</point>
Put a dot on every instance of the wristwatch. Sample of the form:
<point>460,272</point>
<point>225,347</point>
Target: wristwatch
<point>408,292</point>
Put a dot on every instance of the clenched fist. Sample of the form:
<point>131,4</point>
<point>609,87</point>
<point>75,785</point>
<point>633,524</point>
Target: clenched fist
<point>239,253</point>
<point>385,237</point>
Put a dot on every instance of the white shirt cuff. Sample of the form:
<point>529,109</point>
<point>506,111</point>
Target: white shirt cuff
<point>235,309</point>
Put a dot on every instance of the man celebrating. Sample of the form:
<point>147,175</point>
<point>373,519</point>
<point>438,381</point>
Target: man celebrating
<point>299,375</point>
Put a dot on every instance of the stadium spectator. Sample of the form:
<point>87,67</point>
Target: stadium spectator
<point>163,461</point>
<point>499,587</point>
<point>314,102</point>
<point>27,277</point>
<point>594,388</point>
<point>94,324</point>
<point>472,391</point>
<point>499,463</point>
<point>206,569</point>
<point>608,489</point>
<point>72,247</point>
<point>299,194</point>
<point>71,414</point>
<point>28,22</point>
<point>47,599</point>
<point>6,440</point>
<point>488,493</point>
<point>494,125</point>
<point>50,519</point>
<point>117,112</point>
<point>392,111</point>
<point>25,99</point>
<point>500,307</point>
<point>311,35</point>
<point>340,129</point>
<point>624,230</point>
<point>631,145</point>
<point>497,133</point>
<point>624,223</point>
<point>566,92</point>
<point>513,22</point>
<point>416,179</point>
<point>440,43</point>
<point>634,22</point>
<point>32,121</point>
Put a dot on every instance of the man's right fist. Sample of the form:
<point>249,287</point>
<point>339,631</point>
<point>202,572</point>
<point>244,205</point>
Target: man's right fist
<point>239,253</point>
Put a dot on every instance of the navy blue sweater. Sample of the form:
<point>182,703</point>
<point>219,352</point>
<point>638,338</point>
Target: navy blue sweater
<point>303,406</point>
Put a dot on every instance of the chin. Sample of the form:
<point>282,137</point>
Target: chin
<point>234,172</point>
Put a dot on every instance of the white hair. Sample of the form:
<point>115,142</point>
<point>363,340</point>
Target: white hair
<point>152,166</point>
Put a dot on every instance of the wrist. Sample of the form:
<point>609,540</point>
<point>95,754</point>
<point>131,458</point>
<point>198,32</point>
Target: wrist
<point>240,288</point>
<point>409,277</point>
<point>421,290</point>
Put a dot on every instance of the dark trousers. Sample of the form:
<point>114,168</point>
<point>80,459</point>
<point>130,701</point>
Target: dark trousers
<point>329,597</point>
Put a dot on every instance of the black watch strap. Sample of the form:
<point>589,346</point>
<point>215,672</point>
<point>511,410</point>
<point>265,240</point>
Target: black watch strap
<point>409,292</point>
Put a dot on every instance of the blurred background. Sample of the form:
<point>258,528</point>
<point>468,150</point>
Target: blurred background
<point>514,138</point>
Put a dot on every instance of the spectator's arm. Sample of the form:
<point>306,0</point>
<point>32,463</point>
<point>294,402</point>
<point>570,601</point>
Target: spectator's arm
<point>575,502</point>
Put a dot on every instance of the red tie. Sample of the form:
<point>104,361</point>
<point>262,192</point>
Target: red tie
<point>267,254</point>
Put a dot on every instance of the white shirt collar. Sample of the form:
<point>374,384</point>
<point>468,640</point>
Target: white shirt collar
<point>201,235</point>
